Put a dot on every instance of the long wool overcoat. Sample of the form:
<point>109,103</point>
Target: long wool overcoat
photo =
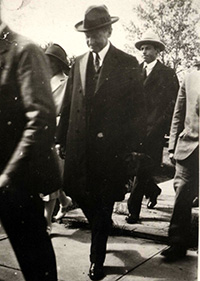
<point>98,143</point>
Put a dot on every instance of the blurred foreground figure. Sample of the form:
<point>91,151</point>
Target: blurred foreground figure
<point>100,128</point>
<point>27,159</point>
<point>184,152</point>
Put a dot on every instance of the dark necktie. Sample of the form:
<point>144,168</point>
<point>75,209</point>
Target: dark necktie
<point>96,62</point>
<point>144,72</point>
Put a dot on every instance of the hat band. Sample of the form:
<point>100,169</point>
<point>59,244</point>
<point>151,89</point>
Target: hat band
<point>93,23</point>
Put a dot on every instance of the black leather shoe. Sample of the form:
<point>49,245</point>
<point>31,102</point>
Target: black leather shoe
<point>132,219</point>
<point>96,272</point>
<point>174,253</point>
<point>153,200</point>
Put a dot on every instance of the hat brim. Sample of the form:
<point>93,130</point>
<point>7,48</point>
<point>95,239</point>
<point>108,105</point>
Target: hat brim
<point>79,26</point>
<point>65,63</point>
<point>158,44</point>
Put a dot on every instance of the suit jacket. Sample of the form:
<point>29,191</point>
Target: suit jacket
<point>184,134</point>
<point>27,116</point>
<point>160,90</point>
<point>98,143</point>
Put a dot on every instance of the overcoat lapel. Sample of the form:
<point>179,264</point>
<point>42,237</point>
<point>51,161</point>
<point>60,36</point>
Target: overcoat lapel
<point>110,63</point>
<point>155,73</point>
<point>83,69</point>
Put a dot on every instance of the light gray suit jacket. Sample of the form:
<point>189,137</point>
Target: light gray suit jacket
<point>184,134</point>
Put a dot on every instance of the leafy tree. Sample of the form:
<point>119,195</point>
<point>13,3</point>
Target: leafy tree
<point>176,23</point>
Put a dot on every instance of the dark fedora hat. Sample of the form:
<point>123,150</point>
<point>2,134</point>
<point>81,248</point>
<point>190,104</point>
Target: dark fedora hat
<point>149,37</point>
<point>58,52</point>
<point>95,17</point>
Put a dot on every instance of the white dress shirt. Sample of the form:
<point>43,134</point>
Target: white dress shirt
<point>149,66</point>
<point>102,53</point>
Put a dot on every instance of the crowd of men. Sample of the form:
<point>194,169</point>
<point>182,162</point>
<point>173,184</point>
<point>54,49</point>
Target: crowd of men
<point>112,120</point>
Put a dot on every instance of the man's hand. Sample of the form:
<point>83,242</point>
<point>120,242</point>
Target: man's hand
<point>4,180</point>
<point>171,157</point>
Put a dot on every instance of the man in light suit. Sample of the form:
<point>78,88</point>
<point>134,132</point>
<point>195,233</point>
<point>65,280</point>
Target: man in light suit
<point>160,89</point>
<point>184,150</point>
<point>100,128</point>
<point>28,163</point>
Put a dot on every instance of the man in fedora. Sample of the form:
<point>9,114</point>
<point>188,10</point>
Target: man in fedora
<point>160,90</point>
<point>100,127</point>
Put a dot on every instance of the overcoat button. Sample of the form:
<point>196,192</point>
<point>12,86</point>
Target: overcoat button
<point>100,135</point>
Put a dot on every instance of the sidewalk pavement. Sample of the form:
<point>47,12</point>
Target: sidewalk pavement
<point>153,224</point>
<point>129,257</point>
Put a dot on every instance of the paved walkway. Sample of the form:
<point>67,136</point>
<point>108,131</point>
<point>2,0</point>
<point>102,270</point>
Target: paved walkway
<point>153,224</point>
<point>129,256</point>
<point>127,259</point>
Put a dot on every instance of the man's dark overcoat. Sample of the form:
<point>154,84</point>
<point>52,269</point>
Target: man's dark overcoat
<point>27,116</point>
<point>99,141</point>
<point>160,90</point>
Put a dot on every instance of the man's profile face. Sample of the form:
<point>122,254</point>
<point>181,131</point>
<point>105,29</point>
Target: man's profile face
<point>149,52</point>
<point>97,39</point>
